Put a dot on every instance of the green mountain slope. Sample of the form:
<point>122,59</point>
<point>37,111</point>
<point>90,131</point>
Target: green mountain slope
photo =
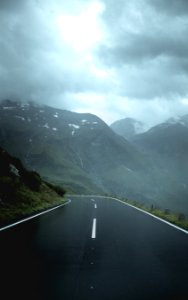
<point>167,145</point>
<point>23,192</point>
<point>84,155</point>
<point>78,150</point>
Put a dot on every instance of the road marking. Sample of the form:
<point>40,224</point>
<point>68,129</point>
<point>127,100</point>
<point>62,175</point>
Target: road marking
<point>93,234</point>
<point>141,210</point>
<point>153,216</point>
<point>32,217</point>
<point>93,200</point>
<point>95,205</point>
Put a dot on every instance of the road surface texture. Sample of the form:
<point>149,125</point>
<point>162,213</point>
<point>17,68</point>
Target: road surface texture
<point>94,249</point>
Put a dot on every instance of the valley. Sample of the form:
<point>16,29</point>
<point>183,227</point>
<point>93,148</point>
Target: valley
<point>81,153</point>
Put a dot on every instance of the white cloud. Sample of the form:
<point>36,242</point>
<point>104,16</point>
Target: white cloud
<point>82,31</point>
<point>114,59</point>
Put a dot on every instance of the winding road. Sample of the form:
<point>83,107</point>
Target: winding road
<point>94,248</point>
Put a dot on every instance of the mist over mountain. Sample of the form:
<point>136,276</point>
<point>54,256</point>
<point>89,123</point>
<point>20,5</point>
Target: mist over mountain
<point>169,139</point>
<point>167,145</point>
<point>84,155</point>
<point>127,127</point>
<point>78,150</point>
<point>40,136</point>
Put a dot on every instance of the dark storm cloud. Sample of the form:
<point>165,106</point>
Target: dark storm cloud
<point>148,47</point>
<point>138,32</point>
<point>170,7</point>
<point>151,80</point>
<point>24,42</point>
<point>12,5</point>
<point>142,55</point>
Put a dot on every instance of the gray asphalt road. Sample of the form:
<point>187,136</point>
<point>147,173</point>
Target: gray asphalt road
<point>65,254</point>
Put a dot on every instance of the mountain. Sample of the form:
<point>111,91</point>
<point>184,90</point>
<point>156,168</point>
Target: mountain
<point>84,155</point>
<point>127,127</point>
<point>169,139</point>
<point>43,138</point>
<point>78,151</point>
<point>23,192</point>
<point>167,145</point>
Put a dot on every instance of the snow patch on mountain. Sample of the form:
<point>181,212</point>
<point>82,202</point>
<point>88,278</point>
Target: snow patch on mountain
<point>8,108</point>
<point>46,126</point>
<point>129,170</point>
<point>74,126</point>
<point>19,117</point>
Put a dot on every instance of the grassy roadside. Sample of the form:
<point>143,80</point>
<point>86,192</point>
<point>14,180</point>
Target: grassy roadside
<point>30,202</point>
<point>23,192</point>
<point>178,219</point>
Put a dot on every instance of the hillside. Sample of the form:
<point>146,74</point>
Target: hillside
<point>42,138</point>
<point>23,192</point>
<point>77,150</point>
<point>84,155</point>
<point>167,145</point>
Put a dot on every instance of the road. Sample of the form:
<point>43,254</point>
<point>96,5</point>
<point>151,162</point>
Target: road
<point>94,248</point>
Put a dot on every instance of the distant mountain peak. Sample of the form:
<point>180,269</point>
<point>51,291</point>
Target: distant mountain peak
<point>128,127</point>
<point>78,149</point>
<point>183,120</point>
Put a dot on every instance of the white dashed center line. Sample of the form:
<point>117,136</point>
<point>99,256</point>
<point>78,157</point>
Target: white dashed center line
<point>93,234</point>
<point>95,205</point>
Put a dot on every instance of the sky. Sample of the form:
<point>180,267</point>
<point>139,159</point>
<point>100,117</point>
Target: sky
<point>112,58</point>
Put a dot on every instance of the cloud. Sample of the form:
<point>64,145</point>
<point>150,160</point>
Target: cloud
<point>10,6</point>
<point>133,48</point>
<point>170,7</point>
<point>36,62</point>
<point>149,50</point>
<point>112,58</point>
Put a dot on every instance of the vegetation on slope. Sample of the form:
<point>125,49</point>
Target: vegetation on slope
<point>23,192</point>
<point>178,219</point>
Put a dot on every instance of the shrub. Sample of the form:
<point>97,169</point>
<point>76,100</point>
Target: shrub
<point>8,189</point>
<point>181,217</point>
<point>32,180</point>
<point>58,189</point>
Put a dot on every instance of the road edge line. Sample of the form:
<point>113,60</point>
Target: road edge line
<point>153,216</point>
<point>139,209</point>
<point>34,216</point>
